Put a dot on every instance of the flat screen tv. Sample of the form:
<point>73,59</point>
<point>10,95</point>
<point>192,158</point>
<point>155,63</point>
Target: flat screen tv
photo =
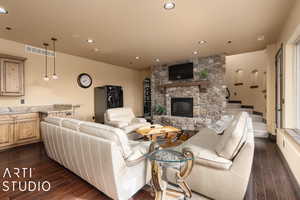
<point>182,71</point>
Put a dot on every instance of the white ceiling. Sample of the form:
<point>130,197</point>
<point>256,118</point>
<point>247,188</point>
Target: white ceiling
<point>124,29</point>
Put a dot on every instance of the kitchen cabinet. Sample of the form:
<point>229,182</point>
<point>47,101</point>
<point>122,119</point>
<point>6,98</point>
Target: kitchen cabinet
<point>12,75</point>
<point>19,129</point>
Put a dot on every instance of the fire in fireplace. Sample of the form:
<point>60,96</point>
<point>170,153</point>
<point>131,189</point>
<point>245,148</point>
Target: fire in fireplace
<point>182,107</point>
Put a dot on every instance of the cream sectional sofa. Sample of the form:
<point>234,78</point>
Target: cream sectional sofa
<point>222,162</point>
<point>100,154</point>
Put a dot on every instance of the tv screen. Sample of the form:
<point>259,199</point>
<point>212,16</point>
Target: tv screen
<point>182,71</point>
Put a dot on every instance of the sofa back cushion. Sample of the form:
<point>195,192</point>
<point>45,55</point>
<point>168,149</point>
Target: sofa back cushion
<point>233,138</point>
<point>120,114</point>
<point>109,133</point>
<point>54,120</point>
<point>71,123</point>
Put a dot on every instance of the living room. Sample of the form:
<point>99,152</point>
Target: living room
<point>213,84</point>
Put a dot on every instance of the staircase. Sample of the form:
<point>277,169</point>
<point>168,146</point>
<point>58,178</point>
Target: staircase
<point>259,126</point>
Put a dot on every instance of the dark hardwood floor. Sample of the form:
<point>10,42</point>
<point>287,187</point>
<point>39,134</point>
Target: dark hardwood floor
<point>270,179</point>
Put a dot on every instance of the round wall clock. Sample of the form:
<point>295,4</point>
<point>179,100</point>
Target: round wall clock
<point>84,80</point>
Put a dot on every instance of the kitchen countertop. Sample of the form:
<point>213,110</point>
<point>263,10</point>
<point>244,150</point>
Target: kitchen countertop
<point>57,108</point>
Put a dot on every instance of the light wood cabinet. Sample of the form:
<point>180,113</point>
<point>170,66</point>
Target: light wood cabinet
<point>12,75</point>
<point>19,129</point>
<point>6,131</point>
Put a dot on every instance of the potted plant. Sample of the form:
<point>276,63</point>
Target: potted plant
<point>203,74</point>
<point>160,110</point>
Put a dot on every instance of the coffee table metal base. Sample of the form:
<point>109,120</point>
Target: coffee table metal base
<point>160,186</point>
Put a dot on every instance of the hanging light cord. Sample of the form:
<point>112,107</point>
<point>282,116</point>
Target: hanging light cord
<point>54,56</point>
<point>46,59</point>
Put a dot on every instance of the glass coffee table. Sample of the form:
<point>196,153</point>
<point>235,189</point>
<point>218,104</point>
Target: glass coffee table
<point>183,161</point>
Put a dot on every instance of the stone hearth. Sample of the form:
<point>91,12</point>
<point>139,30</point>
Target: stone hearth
<point>207,106</point>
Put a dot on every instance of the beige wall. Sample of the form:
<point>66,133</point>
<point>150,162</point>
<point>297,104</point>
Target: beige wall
<point>271,93</point>
<point>247,62</point>
<point>288,37</point>
<point>65,89</point>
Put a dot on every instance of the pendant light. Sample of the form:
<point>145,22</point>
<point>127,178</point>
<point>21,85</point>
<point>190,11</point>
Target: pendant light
<point>46,78</point>
<point>54,76</point>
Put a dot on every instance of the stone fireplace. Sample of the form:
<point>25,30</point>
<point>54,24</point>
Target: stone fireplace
<point>193,103</point>
<point>182,107</point>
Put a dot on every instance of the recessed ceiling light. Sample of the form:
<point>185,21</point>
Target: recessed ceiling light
<point>137,58</point>
<point>90,41</point>
<point>3,11</point>
<point>202,42</point>
<point>169,5</point>
<point>195,52</point>
<point>157,60</point>
<point>96,49</point>
<point>261,38</point>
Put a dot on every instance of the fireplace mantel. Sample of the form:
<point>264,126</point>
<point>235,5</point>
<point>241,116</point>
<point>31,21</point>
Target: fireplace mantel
<point>203,85</point>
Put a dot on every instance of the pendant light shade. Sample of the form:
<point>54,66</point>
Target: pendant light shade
<point>54,76</point>
<point>46,78</point>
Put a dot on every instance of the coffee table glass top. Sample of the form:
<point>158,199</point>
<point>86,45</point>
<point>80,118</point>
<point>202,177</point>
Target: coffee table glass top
<point>167,155</point>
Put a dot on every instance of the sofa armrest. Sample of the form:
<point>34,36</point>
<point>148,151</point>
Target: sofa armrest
<point>139,120</point>
<point>139,150</point>
<point>117,124</point>
<point>209,158</point>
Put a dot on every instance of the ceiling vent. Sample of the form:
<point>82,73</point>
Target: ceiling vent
<point>39,51</point>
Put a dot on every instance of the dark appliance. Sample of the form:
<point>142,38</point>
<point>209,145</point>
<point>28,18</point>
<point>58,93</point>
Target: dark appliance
<point>147,98</point>
<point>182,71</point>
<point>182,107</point>
<point>106,97</point>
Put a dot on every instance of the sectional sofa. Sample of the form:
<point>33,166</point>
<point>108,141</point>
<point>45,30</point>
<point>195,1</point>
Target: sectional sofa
<point>105,157</point>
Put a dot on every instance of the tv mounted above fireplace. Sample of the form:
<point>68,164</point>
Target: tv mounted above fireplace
<point>182,71</point>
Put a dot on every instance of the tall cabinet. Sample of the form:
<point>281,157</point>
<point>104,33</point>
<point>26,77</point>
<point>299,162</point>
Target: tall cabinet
<point>12,75</point>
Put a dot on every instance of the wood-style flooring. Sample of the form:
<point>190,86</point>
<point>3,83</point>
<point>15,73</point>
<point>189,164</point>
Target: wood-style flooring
<point>270,179</point>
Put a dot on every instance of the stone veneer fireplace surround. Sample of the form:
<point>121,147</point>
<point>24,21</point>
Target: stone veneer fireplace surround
<point>208,105</point>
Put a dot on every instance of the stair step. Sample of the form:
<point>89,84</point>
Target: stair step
<point>237,110</point>
<point>257,118</point>
<point>233,105</point>
<point>260,130</point>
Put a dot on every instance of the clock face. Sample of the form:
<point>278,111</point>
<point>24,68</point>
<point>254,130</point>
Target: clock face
<point>84,80</point>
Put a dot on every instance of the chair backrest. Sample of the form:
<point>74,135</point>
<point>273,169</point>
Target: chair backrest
<point>120,114</point>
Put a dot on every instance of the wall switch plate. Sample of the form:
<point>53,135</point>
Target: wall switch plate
<point>22,101</point>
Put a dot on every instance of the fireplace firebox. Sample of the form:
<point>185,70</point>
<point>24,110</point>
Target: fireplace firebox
<point>182,107</point>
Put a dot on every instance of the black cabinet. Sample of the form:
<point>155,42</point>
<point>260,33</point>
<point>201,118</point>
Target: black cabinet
<point>147,98</point>
<point>106,97</point>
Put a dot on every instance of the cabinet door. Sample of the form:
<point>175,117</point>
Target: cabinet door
<point>12,77</point>
<point>6,131</point>
<point>26,129</point>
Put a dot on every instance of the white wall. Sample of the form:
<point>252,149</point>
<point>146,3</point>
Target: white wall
<point>247,62</point>
<point>66,89</point>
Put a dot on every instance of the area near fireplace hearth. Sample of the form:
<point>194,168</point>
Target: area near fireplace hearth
<point>194,102</point>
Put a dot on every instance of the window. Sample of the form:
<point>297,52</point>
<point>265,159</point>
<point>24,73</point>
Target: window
<point>297,61</point>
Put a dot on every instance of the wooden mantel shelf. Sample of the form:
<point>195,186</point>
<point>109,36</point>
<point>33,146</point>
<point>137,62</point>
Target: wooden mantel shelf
<point>201,84</point>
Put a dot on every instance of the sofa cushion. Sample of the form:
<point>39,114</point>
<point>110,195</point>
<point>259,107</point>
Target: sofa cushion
<point>120,114</point>
<point>71,124</point>
<point>233,137</point>
<point>109,133</point>
<point>208,158</point>
<point>54,120</point>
